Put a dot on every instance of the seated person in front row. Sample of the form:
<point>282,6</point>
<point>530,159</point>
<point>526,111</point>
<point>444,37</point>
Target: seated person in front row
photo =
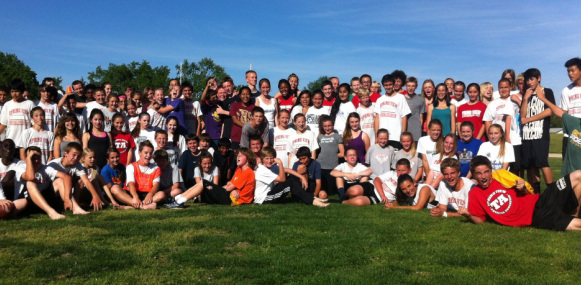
<point>8,165</point>
<point>272,186</point>
<point>556,209</point>
<point>388,181</point>
<point>225,160</point>
<point>240,190</point>
<point>41,192</point>
<point>416,197</point>
<point>170,182</point>
<point>70,165</point>
<point>453,190</point>
<point>353,181</point>
<point>114,173</point>
<point>143,177</point>
<point>99,183</point>
<point>310,170</point>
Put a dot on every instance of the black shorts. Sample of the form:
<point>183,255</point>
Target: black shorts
<point>535,153</point>
<point>517,164</point>
<point>556,205</point>
<point>49,195</point>
<point>368,191</point>
<point>214,194</point>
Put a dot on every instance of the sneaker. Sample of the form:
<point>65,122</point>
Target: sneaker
<point>174,205</point>
<point>168,200</point>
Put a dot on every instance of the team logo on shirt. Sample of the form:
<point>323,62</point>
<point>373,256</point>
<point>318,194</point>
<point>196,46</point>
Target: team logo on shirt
<point>575,138</point>
<point>499,202</point>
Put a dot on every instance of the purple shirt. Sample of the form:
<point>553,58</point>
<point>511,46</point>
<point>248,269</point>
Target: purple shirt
<point>213,121</point>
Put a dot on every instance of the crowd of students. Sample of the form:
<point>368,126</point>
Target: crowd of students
<point>91,147</point>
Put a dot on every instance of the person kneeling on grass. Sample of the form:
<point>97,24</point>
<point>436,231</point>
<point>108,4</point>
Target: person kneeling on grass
<point>353,180</point>
<point>272,186</point>
<point>142,182</point>
<point>556,209</point>
<point>416,196</point>
<point>240,190</point>
<point>41,191</point>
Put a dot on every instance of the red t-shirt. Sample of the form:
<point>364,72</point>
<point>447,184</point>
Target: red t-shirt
<point>245,182</point>
<point>123,142</point>
<point>374,96</point>
<point>286,104</point>
<point>505,206</point>
<point>243,114</point>
<point>472,113</point>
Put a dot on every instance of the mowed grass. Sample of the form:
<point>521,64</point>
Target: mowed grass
<point>556,145</point>
<point>281,244</point>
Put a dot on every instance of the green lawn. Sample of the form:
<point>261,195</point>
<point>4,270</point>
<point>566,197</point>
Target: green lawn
<point>281,244</point>
<point>556,143</point>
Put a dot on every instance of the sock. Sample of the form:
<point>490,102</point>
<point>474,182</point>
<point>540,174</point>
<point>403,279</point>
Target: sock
<point>537,187</point>
<point>341,191</point>
<point>180,199</point>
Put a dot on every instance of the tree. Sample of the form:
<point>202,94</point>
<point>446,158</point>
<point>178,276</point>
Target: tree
<point>197,73</point>
<point>11,67</point>
<point>138,75</point>
<point>317,84</point>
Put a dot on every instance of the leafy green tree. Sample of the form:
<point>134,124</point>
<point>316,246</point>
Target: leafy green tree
<point>11,67</point>
<point>138,75</point>
<point>197,73</point>
<point>314,85</point>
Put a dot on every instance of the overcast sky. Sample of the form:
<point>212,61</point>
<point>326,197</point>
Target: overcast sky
<point>472,41</point>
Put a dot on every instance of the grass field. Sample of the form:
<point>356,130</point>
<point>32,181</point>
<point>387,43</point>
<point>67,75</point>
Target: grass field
<point>556,143</point>
<point>281,244</point>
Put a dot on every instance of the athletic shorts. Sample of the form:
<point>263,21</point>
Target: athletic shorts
<point>556,205</point>
<point>517,164</point>
<point>214,194</point>
<point>368,191</point>
<point>51,197</point>
<point>535,153</point>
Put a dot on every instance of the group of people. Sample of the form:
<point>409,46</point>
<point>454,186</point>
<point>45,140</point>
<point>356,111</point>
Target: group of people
<point>449,148</point>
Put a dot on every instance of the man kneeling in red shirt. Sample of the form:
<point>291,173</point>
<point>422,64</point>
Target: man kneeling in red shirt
<point>556,209</point>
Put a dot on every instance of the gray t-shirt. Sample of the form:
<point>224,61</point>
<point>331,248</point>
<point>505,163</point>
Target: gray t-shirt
<point>415,161</point>
<point>379,159</point>
<point>329,146</point>
<point>169,176</point>
<point>417,106</point>
<point>248,130</point>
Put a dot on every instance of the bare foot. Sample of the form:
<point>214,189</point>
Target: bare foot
<point>56,216</point>
<point>318,203</point>
<point>151,206</point>
<point>321,200</point>
<point>123,207</point>
<point>80,211</point>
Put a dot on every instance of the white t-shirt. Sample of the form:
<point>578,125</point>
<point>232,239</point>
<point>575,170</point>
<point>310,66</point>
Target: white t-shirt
<point>51,115</point>
<point>43,177</point>
<point>345,168</point>
<point>192,110</point>
<point>149,169</point>
<point>16,117</point>
<point>313,114</point>
<point>43,139</point>
<point>296,141</point>
<point>458,103</point>
<point>207,176</point>
<point>497,112</point>
<point>571,101</point>
<point>108,120</point>
<point>367,122</point>
<point>130,123</point>
<point>434,162</point>
<point>295,110</point>
<point>391,110</point>
<point>12,166</point>
<point>144,135</point>
<point>426,145</point>
<point>496,94</point>
<point>77,169</point>
<point>89,107</point>
<point>491,152</point>
<point>421,188</point>
<point>389,185</point>
<point>264,183</point>
<point>157,120</point>
<point>279,139</point>
<point>181,145</point>
<point>454,199</point>
<point>341,119</point>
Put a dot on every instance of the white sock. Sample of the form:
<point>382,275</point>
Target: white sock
<point>180,199</point>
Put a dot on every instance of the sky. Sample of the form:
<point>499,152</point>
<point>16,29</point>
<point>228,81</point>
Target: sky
<point>472,41</point>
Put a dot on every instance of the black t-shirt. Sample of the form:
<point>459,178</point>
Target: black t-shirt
<point>224,163</point>
<point>227,126</point>
<point>537,130</point>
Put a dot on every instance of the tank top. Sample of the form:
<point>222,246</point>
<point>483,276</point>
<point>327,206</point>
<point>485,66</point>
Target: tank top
<point>359,145</point>
<point>444,116</point>
<point>63,146</point>
<point>269,110</point>
<point>286,104</point>
<point>100,146</point>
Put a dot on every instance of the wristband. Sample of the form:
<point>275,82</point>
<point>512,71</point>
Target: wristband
<point>445,215</point>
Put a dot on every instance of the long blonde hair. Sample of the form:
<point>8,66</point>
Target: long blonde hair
<point>408,134</point>
<point>502,141</point>
<point>440,146</point>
